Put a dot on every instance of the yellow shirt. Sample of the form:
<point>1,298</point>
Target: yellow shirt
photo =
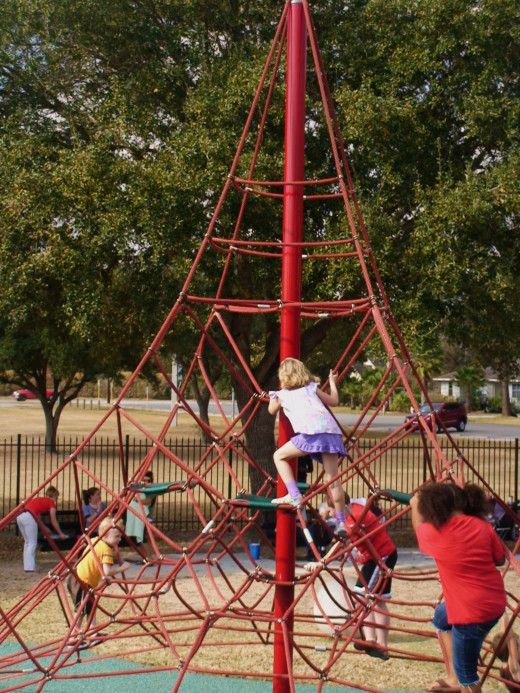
<point>88,568</point>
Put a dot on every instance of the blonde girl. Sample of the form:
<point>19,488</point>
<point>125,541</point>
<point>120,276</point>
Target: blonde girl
<point>96,564</point>
<point>316,432</point>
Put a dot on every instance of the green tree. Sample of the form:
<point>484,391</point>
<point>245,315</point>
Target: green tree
<point>428,358</point>
<point>86,200</point>
<point>427,100</point>
<point>429,97</point>
<point>470,232</point>
<point>470,379</point>
<point>351,388</point>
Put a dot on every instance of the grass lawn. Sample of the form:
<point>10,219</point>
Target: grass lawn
<point>27,419</point>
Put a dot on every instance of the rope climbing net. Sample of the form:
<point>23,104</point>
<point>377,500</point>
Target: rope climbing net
<point>204,603</point>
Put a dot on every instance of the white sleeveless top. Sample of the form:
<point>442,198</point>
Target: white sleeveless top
<point>306,411</point>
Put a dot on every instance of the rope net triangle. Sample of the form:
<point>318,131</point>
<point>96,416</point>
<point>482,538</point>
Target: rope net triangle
<point>205,604</point>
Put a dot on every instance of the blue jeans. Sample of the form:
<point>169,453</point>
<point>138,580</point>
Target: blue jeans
<point>467,639</point>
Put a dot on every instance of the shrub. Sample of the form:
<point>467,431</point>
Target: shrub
<point>495,405</point>
<point>400,402</point>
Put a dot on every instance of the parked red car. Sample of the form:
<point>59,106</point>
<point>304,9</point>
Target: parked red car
<point>22,395</point>
<point>452,415</point>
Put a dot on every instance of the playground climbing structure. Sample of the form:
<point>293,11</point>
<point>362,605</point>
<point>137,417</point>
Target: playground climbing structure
<point>203,601</point>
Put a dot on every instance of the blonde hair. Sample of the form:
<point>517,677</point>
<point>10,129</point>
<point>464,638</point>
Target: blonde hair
<point>106,524</point>
<point>293,374</point>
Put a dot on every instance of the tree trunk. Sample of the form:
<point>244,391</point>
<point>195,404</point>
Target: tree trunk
<point>506,402</point>
<point>51,427</point>
<point>427,385</point>
<point>260,441</point>
<point>202,398</point>
<point>259,438</point>
<point>468,399</point>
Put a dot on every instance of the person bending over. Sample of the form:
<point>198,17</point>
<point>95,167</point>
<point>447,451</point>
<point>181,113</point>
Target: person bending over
<point>28,525</point>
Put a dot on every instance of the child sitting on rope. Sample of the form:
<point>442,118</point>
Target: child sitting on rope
<point>97,563</point>
<point>316,432</point>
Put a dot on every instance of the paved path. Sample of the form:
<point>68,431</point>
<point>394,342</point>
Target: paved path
<point>408,558</point>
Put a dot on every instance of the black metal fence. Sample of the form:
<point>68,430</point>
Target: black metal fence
<point>26,462</point>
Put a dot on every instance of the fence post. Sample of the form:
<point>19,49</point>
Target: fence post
<point>516,469</point>
<point>18,472</point>
<point>127,456</point>
<point>231,466</point>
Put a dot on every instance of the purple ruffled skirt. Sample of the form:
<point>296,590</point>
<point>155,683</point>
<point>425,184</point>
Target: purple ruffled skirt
<point>317,443</point>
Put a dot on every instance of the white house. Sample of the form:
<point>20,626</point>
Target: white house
<point>446,386</point>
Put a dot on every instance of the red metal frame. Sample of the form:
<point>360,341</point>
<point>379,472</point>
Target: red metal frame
<point>228,524</point>
<point>290,321</point>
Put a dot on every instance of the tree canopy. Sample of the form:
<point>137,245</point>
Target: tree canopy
<point>119,123</point>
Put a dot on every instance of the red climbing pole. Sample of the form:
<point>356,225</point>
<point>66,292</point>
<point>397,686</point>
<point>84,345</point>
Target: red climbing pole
<point>290,322</point>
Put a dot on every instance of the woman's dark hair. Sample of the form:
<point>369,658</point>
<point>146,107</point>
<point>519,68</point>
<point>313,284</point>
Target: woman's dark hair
<point>471,499</point>
<point>87,495</point>
<point>459,497</point>
<point>436,503</point>
<point>477,501</point>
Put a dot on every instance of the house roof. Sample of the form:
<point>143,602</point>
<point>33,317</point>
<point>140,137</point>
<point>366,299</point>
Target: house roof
<point>446,377</point>
<point>489,375</point>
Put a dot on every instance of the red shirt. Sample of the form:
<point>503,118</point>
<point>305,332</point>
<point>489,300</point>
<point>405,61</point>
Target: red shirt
<point>466,550</point>
<point>381,542</point>
<point>39,506</point>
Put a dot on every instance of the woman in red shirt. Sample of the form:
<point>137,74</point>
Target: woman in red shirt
<point>450,526</point>
<point>29,527</point>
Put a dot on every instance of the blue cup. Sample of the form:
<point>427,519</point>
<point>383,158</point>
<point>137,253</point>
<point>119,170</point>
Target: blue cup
<point>254,550</point>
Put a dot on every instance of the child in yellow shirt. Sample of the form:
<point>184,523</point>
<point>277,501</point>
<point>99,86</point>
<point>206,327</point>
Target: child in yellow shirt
<point>96,564</point>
